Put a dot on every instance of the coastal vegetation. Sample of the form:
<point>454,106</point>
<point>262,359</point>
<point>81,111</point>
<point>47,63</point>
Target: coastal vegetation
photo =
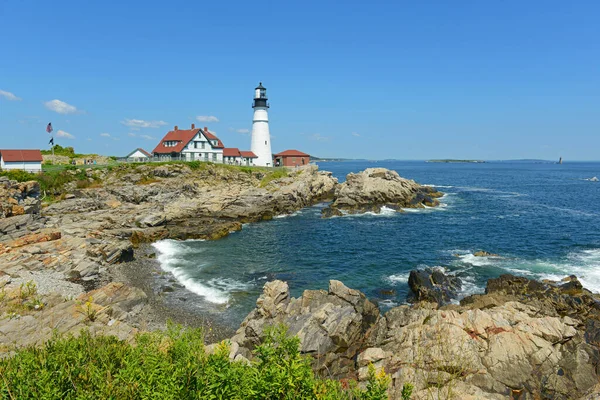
<point>63,151</point>
<point>54,179</point>
<point>173,365</point>
<point>52,182</point>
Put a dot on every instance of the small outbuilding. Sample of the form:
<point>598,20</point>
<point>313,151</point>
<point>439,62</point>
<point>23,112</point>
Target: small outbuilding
<point>290,158</point>
<point>138,155</point>
<point>235,156</point>
<point>248,157</point>
<point>24,160</point>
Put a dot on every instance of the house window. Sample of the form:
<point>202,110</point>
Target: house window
<point>214,156</point>
<point>203,144</point>
<point>195,145</point>
<point>294,160</point>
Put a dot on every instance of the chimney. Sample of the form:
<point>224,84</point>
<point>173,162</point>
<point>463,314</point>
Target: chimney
<point>206,129</point>
<point>193,126</point>
<point>176,128</point>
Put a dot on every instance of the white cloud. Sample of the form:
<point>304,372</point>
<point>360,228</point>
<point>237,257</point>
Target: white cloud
<point>131,134</point>
<point>207,118</point>
<point>243,131</point>
<point>140,123</point>
<point>147,137</point>
<point>105,134</point>
<point>60,107</point>
<point>65,135</point>
<point>89,139</point>
<point>355,134</point>
<point>9,96</point>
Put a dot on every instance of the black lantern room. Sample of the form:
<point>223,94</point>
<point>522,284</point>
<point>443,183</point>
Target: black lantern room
<point>260,96</point>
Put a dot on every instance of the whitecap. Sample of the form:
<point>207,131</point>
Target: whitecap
<point>398,278</point>
<point>414,210</point>
<point>458,252</point>
<point>585,264</point>
<point>216,290</point>
<point>388,303</point>
<point>287,215</point>
<point>468,287</point>
<point>477,261</point>
<point>384,212</point>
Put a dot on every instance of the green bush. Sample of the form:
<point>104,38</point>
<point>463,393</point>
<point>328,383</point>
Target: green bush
<point>169,365</point>
<point>18,175</point>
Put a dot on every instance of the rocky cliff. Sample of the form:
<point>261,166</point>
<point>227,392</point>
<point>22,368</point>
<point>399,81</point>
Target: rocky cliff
<point>57,255</point>
<point>374,188</point>
<point>522,340</point>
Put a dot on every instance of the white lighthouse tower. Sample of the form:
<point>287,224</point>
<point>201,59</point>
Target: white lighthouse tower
<point>261,139</point>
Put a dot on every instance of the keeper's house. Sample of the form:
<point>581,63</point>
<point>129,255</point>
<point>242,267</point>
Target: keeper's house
<point>190,145</point>
<point>24,160</point>
<point>291,158</point>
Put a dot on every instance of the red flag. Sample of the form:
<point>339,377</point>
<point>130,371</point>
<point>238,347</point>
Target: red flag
<point>49,127</point>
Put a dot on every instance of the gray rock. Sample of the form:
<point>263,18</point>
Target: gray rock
<point>373,188</point>
<point>432,285</point>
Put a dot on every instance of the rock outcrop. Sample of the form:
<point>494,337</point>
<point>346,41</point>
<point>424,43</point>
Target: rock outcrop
<point>512,345</point>
<point>375,188</point>
<point>19,208</point>
<point>432,285</point>
<point>331,325</point>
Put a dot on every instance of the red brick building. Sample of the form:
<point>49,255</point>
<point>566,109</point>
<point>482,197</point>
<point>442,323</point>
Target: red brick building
<point>291,158</point>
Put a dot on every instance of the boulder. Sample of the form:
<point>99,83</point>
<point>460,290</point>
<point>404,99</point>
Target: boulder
<point>432,285</point>
<point>331,324</point>
<point>374,188</point>
<point>123,300</point>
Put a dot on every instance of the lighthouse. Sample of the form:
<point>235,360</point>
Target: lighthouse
<point>261,139</point>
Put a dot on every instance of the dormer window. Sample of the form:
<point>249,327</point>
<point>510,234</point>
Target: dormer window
<point>170,143</point>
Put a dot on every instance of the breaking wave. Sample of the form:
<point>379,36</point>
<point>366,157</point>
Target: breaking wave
<point>171,258</point>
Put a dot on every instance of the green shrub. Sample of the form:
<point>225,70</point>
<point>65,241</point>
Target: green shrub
<point>169,365</point>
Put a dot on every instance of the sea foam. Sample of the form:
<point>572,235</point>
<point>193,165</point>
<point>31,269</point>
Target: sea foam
<point>170,256</point>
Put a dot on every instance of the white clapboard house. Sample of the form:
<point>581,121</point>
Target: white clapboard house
<point>190,145</point>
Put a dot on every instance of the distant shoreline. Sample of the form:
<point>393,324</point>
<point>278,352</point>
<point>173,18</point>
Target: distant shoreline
<point>456,161</point>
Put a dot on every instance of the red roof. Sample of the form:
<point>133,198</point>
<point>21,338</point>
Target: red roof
<point>248,154</point>
<point>231,152</point>
<point>210,136</point>
<point>183,137</point>
<point>21,155</point>
<point>291,153</point>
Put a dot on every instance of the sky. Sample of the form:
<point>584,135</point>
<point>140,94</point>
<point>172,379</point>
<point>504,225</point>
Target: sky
<point>377,80</point>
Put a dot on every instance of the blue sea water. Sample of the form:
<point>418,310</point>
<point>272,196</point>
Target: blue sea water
<point>542,218</point>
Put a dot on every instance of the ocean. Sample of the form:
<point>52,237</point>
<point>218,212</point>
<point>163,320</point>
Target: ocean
<point>542,218</point>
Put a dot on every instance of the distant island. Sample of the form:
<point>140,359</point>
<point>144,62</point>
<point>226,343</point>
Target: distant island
<point>324,159</point>
<point>456,161</point>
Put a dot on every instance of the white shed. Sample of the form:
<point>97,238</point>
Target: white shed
<point>24,160</point>
<point>138,155</point>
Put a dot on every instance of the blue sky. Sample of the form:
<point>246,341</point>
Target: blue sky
<point>396,79</point>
